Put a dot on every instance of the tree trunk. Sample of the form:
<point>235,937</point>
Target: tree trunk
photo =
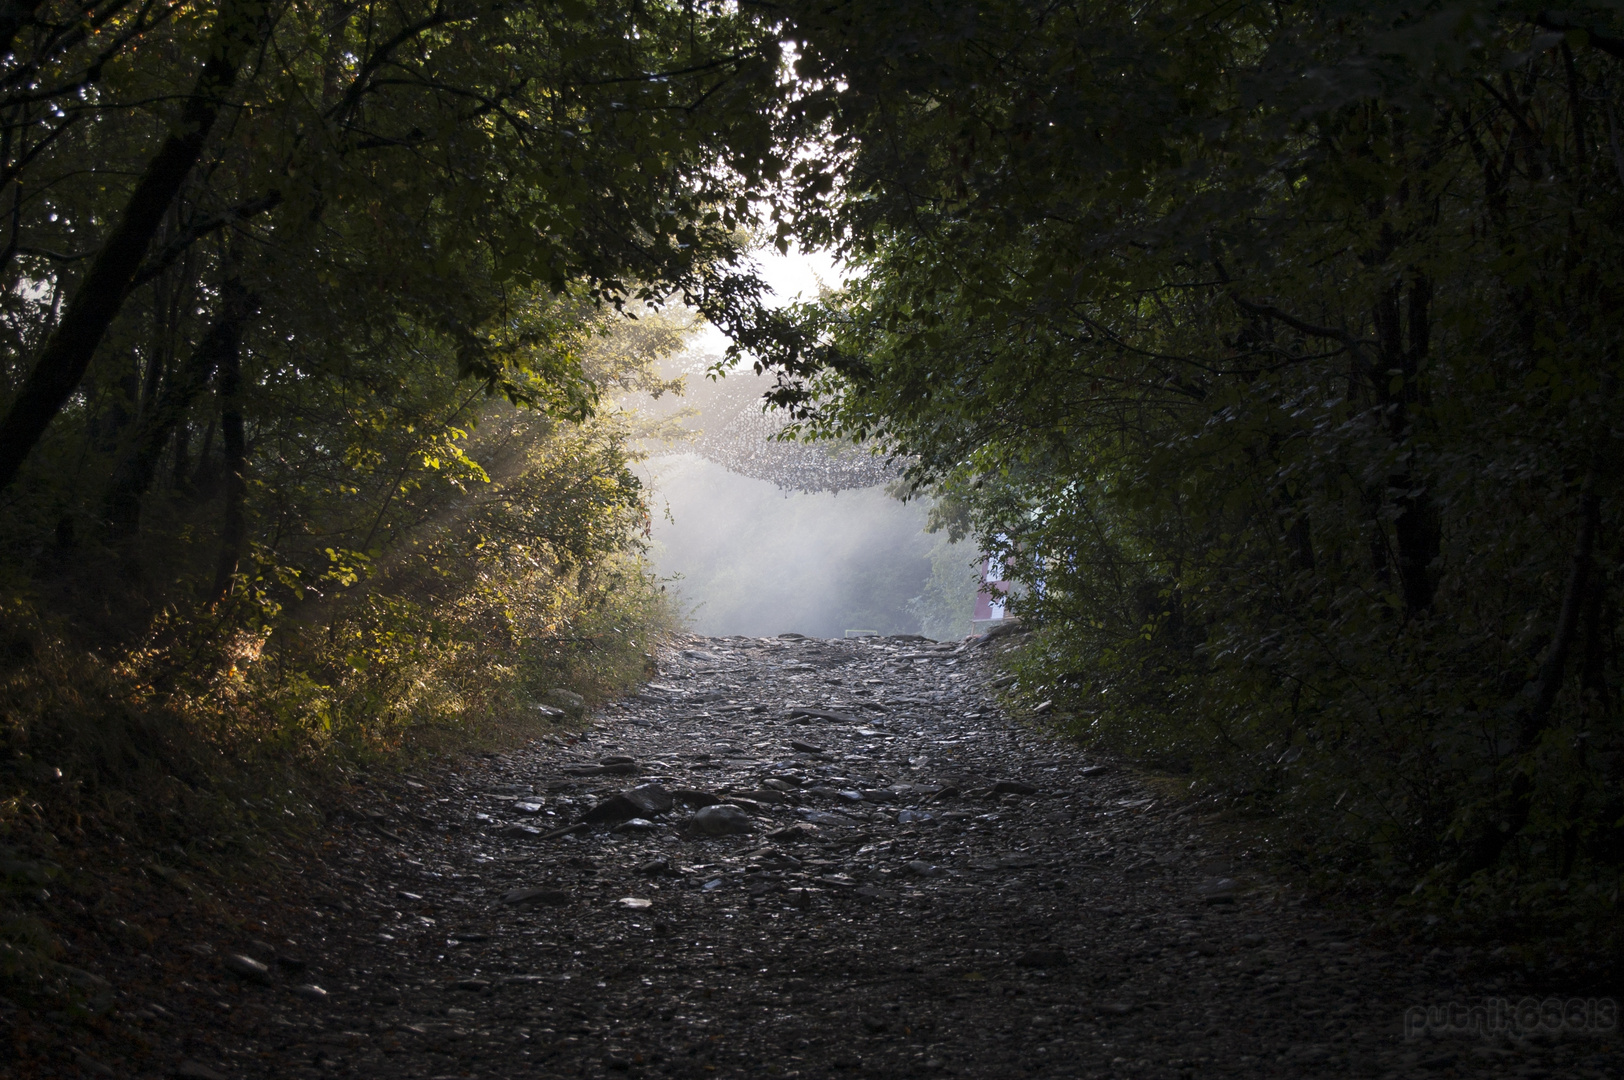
<point>232,442</point>
<point>1417,529</point>
<point>134,472</point>
<point>1540,695</point>
<point>1593,673</point>
<point>102,291</point>
<point>203,477</point>
<point>160,352</point>
<point>1301,537</point>
<point>1417,535</point>
<point>118,411</point>
<point>183,456</point>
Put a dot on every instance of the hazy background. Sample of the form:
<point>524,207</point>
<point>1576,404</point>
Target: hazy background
<point>745,556</point>
<point>752,559</point>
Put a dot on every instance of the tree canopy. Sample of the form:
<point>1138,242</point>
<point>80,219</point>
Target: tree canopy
<point>1278,346</point>
<point>310,312</point>
<point>316,194</point>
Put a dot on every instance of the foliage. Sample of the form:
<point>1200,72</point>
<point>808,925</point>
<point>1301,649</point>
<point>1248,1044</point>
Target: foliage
<point>346,234</point>
<point>312,319</point>
<point>509,566</point>
<point>948,603</point>
<point>1282,344</point>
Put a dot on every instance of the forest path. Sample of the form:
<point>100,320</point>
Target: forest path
<point>926,888</point>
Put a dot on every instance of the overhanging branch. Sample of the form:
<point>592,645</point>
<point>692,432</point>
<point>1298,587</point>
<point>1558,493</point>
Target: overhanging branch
<point>1608,44</point>
<point>193,233</point>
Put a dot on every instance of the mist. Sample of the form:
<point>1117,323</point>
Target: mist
<point>757,536</point>
<point>746,557</point>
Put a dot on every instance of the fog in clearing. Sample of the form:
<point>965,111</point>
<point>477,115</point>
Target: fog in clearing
<point>749,558</point>
<point>761,537</point>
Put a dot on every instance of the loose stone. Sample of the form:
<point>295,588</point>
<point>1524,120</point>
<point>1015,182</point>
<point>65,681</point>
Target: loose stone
<point>649,800</point>
<point>722,819</point>
<point>247,968</point>
<point>534,897</point>
<point>196,1070</point>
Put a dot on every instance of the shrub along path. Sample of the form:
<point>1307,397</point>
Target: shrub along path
<point>918,887</point>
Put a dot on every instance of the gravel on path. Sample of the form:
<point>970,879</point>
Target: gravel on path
<point>793,857</point>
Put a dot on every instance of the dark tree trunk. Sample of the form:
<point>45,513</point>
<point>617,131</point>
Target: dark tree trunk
<point>1417,535</point>
<point>183,456</point>
<point>236,487</point>
<point>1593,675</point>
<point>162,348</point>
<point>151,380</point>
<point>1302,543</point>
<point>1540,695</point>
<point>119,412</point>
<point>1381,557</point>
<point>203,476</point>
<point>1417,529</point>
<point>133,474</point>
<point>101,294</point>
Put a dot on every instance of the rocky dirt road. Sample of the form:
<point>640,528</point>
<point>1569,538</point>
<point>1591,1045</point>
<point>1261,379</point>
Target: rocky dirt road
<point>895,880</point>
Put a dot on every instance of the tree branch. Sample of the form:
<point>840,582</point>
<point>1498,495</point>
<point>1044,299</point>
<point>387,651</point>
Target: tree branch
<point>380,56</point>
<point>192,234</point>
<point>1612,46</point>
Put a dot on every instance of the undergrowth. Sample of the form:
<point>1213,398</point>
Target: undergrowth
<point>1537,913</point>
<point>200,751</point>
